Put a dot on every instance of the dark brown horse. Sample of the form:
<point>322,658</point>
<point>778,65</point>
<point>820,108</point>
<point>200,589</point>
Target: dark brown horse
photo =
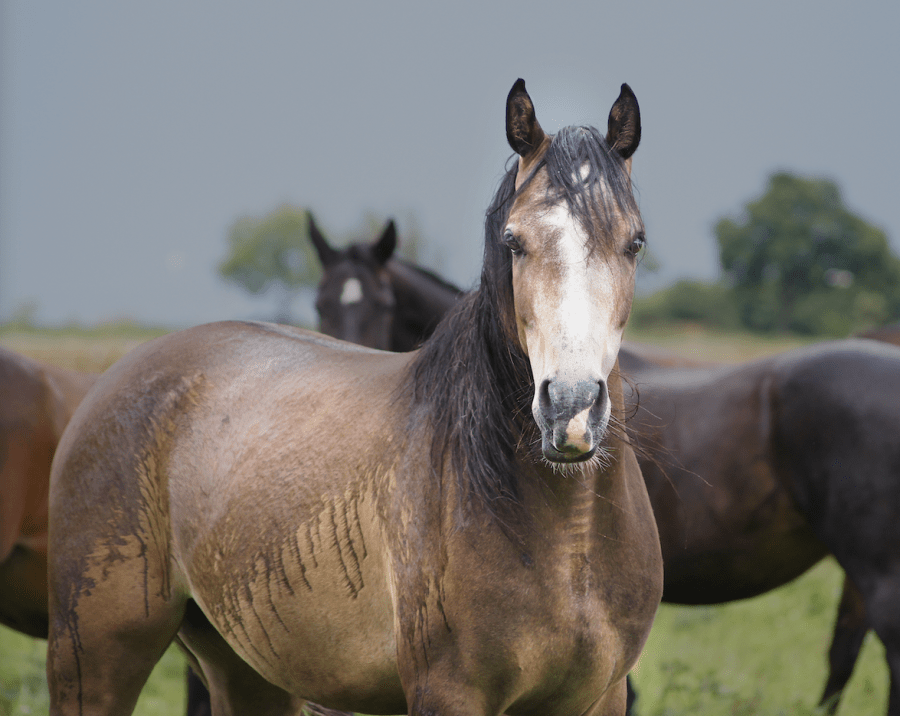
<point>369,297</point>
<point>36,402</point>
<point>730,523</point>
<point>462,529</point>
<point>885,334</point>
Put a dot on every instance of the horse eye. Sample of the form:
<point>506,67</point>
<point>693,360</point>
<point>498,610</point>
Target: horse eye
<point>634,248</point>
<point>512,243</point>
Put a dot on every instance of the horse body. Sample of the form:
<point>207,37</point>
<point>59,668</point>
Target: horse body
<point>346,558</point>
<point>376,532</point>
<point>36,402</point>
<point>729,527</point>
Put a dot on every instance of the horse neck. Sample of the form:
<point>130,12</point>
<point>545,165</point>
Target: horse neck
<point>422,301</point>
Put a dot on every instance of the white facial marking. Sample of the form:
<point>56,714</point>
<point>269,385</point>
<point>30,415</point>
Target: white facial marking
<point>352,292</point>
<point>577,428</point>
<point>583,304</point>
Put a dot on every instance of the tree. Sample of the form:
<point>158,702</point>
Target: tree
<point>272,253</point>
<point>799,260</point>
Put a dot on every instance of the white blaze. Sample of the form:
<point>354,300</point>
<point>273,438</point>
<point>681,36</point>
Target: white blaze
<point>582,307</point>
<point>352,292</point>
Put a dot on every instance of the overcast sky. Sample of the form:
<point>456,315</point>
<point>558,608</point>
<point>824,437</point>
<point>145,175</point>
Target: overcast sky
<point>132,135</point>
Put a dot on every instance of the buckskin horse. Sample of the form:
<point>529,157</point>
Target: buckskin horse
<point>722,471</point>
<point>429,532</point>
<point>36,402</point>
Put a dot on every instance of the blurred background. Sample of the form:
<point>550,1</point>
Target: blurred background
<point>137,139</point>
<point>157,161</point>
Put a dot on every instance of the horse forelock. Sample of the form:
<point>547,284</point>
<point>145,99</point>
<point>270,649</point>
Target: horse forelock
<point>593,181</point>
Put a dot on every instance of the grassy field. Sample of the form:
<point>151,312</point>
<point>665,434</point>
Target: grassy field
<point>763,656</point>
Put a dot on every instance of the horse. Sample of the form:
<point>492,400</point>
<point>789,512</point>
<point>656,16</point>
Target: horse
<point>731,524</point>
<point>368,297</point>
<point>36,403</point>
<point>460,529</point>
<point>887,334</point>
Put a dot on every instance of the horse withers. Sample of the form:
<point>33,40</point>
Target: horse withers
<point>462,529</point>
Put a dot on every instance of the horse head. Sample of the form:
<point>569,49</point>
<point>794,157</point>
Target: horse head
<point>355,300</point>
<point>573,233</point>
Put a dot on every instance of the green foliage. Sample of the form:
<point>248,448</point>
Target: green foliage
<point>711,305</point>
<point>272,252</point>
<point>799,260</point>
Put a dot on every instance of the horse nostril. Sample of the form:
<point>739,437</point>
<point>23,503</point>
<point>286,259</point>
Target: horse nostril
<point>598,409</point>
<point>545,402</point>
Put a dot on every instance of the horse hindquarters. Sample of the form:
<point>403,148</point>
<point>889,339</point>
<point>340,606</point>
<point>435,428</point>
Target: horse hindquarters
<point>837,422</point>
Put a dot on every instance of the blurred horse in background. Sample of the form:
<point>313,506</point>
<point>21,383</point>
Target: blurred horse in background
<point>742,463</point>
<point>369,297</point>
<point>36,403</point>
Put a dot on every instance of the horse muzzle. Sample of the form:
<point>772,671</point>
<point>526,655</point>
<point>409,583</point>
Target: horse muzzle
<point>572,417</point>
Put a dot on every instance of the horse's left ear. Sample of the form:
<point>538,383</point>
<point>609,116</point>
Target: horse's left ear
<point>384,248</point>
<point>523,132</point>
<point>327,255</point>
<point>624,124</point>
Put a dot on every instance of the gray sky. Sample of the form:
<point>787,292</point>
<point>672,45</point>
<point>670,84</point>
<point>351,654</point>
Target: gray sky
<point>132,135</point>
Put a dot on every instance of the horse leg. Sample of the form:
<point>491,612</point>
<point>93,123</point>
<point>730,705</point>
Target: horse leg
<point>849,631</point>
<point>884,617</point>
<point>228,684</point>
<point>111,619</point>
<point>198,699</point>
<point>23,592</point>
<point>632,695</point>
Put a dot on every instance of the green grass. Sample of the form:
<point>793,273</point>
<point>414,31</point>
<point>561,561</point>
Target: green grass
<point>766,655</point>
<point>693,341</point>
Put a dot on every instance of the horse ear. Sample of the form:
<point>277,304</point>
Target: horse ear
<point>383,249</point>
<point>624,124</point>
<point>523,132</point>
<point>327,255</point>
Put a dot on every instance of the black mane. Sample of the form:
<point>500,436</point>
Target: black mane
<point>471,380</point>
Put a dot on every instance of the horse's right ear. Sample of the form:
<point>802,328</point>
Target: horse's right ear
<point>523,132</point>
<point>383,249</point>
<point>327,255</point>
